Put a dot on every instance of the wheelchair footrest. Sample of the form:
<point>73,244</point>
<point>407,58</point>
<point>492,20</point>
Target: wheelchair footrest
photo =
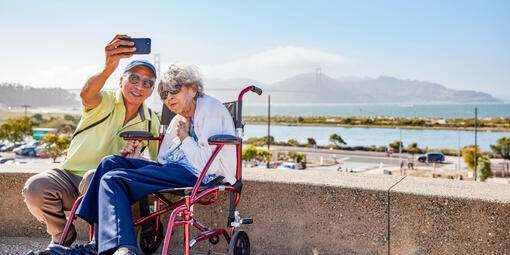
<point>247,221</point>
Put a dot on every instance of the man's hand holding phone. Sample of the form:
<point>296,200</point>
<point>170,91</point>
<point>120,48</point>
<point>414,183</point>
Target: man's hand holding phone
<point>116,50</point>
<point>123,46</point>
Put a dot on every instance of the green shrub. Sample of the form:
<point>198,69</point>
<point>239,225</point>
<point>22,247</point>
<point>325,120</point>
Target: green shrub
<point>483,168</point>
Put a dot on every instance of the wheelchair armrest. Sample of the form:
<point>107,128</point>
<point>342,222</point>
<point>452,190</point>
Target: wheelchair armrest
<point>136,134</point>
<point>223,139</point>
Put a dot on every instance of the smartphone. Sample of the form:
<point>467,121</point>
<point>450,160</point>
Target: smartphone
<point>143,45</point>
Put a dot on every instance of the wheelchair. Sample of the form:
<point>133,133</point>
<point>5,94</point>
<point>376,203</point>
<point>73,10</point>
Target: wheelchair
<point>151,234</point>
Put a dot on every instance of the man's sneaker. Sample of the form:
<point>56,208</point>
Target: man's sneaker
<point>81,249</point>
<point>89,248</point>
<point>127,250</point>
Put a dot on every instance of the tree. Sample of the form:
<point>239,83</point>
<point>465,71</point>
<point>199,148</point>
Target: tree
<point>282,155</point>
<point>252,153</point>
<point>263,155</point>
<point>413,148</point>
<point>15,130</point>
<point>296,156</point>
<point>468,153</point>
<point>311,142</point>
<point>502,148</point>
<point>54,146</point>
<point>293,142</point>
<point>336,139</point>
<point>396,145</point>
<point>249,153</point>
<point>483,168</point>
<point>271,139</point>
<point>38,117</point>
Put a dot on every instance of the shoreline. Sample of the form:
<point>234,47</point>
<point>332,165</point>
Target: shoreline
<point>479,129</point>
<point>493,124</point>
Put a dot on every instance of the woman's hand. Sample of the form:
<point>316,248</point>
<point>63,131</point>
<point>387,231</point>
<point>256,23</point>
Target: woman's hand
<point>133,150</point>
<point>183,130</point>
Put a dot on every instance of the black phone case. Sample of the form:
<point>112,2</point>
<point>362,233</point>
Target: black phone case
<point>143,45</point>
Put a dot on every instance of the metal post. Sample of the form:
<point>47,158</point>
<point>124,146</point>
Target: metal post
<point>476,144</point>
<point>400,145</point>
<point>268,121</point>
<point>458,150</point>
<point>26,108</point>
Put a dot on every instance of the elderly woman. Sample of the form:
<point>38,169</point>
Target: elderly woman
<point>121,181</point>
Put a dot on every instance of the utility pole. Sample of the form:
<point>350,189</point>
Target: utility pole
<point>268,121</point>
<point>26,107</point>
<point>400,146</point>
<point>458,151</point>
<point>476,144</point>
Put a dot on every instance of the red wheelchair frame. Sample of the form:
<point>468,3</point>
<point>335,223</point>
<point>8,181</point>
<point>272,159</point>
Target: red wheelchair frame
<point>238,240</point>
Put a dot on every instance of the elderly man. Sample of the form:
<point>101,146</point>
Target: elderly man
<point>105,115</point>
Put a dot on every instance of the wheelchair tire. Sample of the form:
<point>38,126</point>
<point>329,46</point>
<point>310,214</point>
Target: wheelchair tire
<point>239,244</point>
<point>147,245</point>
<point>214,239</point>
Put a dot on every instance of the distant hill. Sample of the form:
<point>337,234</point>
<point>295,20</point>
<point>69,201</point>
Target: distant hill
<point>307,88</point>
<point>15,95</point>
<point>301,89</point>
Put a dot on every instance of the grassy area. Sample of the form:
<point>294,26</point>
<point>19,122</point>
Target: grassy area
<point>14,115</point>
<point>65,123</point>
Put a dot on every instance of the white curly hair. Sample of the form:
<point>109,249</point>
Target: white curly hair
<point>184,75</point>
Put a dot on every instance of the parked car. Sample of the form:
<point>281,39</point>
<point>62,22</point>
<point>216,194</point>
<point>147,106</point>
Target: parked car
<point>40,151</point>
<point>28,150</point>
<point>288,165</point>
<point>7,147</point>
<point>6,161</point>
<point>431,157</point>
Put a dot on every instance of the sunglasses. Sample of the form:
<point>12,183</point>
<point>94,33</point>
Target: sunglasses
<point>135,78</point>
<point>174,91</point>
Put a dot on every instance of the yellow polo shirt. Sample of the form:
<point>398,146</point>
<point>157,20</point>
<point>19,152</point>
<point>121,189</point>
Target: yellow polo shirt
<point>90,146</point>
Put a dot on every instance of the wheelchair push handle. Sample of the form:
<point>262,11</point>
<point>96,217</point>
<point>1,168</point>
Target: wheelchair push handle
<point>257,90</point>
<point>137,136</point>
<point>252,88</point>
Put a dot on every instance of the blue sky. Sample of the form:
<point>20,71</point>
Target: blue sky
<point>459,44</point>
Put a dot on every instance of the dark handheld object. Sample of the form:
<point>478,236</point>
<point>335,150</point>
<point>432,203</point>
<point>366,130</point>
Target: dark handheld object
<point>142,45</point>
<point>137,136</point>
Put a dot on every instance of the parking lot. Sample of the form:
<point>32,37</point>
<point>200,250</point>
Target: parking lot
<point>12,158</point>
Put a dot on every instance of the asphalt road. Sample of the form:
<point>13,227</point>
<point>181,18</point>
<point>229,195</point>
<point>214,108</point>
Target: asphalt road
<point>361,161</point>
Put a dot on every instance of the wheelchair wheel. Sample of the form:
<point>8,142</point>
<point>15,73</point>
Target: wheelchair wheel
<point>147,244</point>
<point>214,239</point>
<point>239,244</point>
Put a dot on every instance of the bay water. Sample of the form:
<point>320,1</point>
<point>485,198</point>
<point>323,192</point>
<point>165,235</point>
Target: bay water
<point>438,139</point>
<point>396,110</point>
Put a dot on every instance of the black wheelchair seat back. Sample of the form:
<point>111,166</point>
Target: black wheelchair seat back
<point>234,108</point>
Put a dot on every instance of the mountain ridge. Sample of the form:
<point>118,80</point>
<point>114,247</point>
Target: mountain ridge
<point>310,88</point>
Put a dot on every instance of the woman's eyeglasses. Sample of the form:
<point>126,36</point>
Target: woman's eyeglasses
<point>174,91</point>
<point>135,78</point>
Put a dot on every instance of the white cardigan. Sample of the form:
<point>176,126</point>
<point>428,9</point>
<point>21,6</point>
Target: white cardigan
<point>210,118</point>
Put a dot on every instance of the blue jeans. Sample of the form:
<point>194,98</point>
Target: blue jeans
<point>118,183</point>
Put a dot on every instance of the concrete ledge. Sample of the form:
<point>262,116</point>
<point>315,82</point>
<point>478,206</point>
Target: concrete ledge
<point>326,212</point>
<point>437,216</point>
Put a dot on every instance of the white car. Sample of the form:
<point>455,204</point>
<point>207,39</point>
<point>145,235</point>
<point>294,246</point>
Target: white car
<point>288,165</point>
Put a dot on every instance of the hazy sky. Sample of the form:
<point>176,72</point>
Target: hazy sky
<point>459,44</point>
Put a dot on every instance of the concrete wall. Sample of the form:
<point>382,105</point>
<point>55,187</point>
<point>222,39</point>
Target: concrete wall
<point>323,212</point>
